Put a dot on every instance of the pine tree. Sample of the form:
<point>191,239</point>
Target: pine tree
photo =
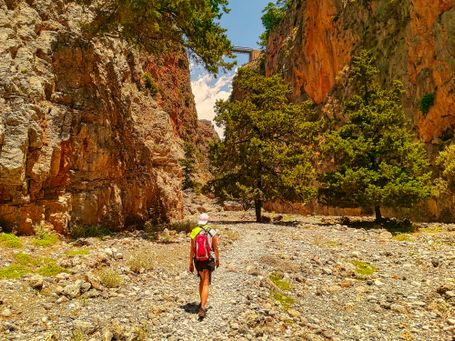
<point>377,159</point>
<point>155,24</point>
<point>265,153</point>
<point>188,166</point>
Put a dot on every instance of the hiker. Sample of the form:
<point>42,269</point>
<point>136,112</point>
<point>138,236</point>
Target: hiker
<point>204,255</point>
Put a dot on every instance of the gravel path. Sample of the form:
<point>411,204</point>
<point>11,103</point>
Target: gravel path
<point>231,286</point>
<point>312,279</point>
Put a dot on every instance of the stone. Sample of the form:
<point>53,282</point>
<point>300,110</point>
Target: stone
<point>6,312</point>
<point>232,206</point>
<point>398,308</point>
<point>294,313</point>
<point>36,282</point>
<point>73,290</point>
<point>84,326</point>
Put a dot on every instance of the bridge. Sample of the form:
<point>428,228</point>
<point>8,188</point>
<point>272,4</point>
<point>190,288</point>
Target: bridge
<point>253,54</point>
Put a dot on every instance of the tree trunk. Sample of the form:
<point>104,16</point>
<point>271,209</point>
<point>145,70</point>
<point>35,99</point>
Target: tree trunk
<point>377,211</point>
<point>258,207</point>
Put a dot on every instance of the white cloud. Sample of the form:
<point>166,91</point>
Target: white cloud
<point>207,90</point>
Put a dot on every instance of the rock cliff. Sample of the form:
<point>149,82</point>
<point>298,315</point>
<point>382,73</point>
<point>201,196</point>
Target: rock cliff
<point>413,40</point>
<point>90,129</point>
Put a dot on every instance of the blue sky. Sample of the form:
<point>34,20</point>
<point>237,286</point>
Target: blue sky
<point>243,24</point>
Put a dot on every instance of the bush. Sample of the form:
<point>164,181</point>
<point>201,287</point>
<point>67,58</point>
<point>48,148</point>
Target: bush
<point>87,231</point>
<point>44,238</point>
<point>183,226</point>
<point>77,252</point>
<point>426,103</point>
<point>110,278</point>
<point>446,164</point>
<point>363,268</point>
<point>140,260</point>
<point>10,240</point>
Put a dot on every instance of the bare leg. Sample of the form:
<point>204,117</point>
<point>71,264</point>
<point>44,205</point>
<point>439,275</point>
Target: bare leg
<point>201,284</point>
<point>204,287</point>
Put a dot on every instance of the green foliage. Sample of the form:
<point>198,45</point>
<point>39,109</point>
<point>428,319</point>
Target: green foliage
<point>266,153</point>
<point>364,268</point>
<point>10,240</point>
<point>285,300</point>
<point>273,15</point>
<point>25,264</point>
<point>182,226</point>
<point>77,252</point>
<point>446,164</point>
<point>278,280</point>
<point>87,231</point>
<point>156,24</point>
<point>403,237</point>
<point>426,103</point>
<point>50,269</point>
<point>188,166</point>
<point>375,156</point>
<point>44,238</point>
<point>150,84</point>
<point>13,271</point>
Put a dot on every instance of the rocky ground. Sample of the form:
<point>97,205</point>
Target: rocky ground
<point>304,278</point>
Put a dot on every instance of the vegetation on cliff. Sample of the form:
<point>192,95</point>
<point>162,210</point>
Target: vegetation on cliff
<point>264,154</point>
<point>152,24</point>
<point>377,161</point>
<point>273,15</point>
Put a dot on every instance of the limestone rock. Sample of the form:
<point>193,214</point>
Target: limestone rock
<point>80,138</point>
<point>36,282</point>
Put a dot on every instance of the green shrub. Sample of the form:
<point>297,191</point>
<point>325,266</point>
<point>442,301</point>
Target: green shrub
<point>182,226</point>
<point>13,271</point>
<point>426,103</point>
<point>50,269</point>
<point>10,240</point>
<point>77,252</point>
<point>403,237</point>
<point>26,260</point>
<point>150,84</point>
<point>446,165</point>
<point>44,238</point>
<point>285,300</point>
<point>87,231</point>
<point>278,280</point>
<point>25,263</point>
<point>273,15</point>
<point>364,268</point>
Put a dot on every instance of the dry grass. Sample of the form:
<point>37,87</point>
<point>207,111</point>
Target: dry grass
<point>110,278</point>
<point>141,260</point>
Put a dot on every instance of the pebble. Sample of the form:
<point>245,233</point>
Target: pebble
<point>6,312</point>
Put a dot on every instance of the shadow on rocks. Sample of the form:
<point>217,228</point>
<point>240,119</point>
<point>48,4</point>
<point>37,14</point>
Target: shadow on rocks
<point>191,308</point>
<point>392,225</point>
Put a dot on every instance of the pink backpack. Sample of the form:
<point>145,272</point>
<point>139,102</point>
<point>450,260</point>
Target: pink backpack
<point>202,245</point>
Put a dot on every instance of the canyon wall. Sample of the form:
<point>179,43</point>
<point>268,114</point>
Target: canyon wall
<point>413,41</point>
<point>90,129</point>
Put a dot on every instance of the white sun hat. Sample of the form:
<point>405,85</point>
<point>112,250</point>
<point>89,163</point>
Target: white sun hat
<point>203,219</point>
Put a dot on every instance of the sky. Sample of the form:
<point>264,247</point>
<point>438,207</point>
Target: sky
<point>243,24</point>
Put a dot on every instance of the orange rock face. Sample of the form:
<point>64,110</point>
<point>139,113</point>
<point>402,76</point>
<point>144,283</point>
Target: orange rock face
<point>312,51</point>
<point>414,41</point>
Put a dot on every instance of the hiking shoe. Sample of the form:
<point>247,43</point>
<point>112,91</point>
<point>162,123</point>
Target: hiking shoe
<point>202,313</point>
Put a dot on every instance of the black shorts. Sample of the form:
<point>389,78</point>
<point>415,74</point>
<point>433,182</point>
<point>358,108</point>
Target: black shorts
<point>206,264</point>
